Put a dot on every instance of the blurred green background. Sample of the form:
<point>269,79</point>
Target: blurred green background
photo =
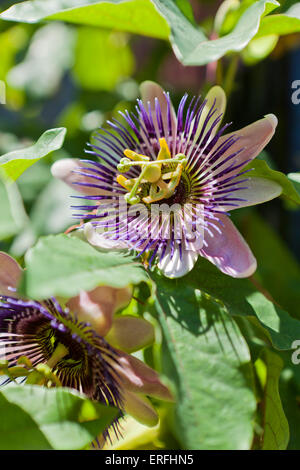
<point>60,74</point>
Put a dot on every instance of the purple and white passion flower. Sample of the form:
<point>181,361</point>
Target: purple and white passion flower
<point>162,183</point>
<point>82,342</point>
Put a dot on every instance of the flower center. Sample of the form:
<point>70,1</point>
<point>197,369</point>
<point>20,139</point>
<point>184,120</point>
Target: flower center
<point>158,178</point>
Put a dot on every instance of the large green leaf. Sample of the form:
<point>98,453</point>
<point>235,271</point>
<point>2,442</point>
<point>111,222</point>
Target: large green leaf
<point>207,357</point>
<point>193,48</point>
<point>13,164</point>
<point>34,417</point>
<point>190,44</point>
<point>261,169</point>
<point>12,214</point>
<point>62,265</point>
<point>241,297</point>
<point>275,425</point>
<point>270,30</point>
<point>135,16</point>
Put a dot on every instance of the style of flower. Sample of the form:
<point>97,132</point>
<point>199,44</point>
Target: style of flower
<point>181,162</point>
<point>82,342</point>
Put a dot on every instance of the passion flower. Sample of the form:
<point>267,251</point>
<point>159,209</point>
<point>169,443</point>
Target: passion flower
<point>81,344</point>
<point>181,165</point>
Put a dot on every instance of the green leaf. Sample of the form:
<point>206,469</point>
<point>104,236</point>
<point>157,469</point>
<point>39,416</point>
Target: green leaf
<point>208,358</point>
<point>289,392</point>
<point>135,16</point>
<point>166,19</point>
<point>282,24</point>
<point>276,428</point>
<point>61,265</point>
<point>109,48</point>
<point>193,48</point>
<point>227,16</point>
<point>12,214</point>
<point>279,25</point>
<point>240,297</point>
<point>295,178</point>
<point>261,169</point>
<point>234,13</point>
<point>270,30</point>
<point>277,271</point>
<point>13,164</point>
<point>34,417</point>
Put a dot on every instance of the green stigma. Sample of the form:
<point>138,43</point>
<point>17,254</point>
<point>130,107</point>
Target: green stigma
<point>151,173</point>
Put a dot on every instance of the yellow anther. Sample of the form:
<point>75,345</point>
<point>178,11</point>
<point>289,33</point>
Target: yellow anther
<point>135,156</point>
<point>123,181</point>
<point>164,153</point>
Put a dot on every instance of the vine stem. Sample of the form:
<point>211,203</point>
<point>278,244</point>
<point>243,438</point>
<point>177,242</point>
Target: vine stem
<point>230,75</point>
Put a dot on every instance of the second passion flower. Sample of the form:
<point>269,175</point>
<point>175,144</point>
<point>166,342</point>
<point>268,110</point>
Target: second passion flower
<point>163,183</point>
<point>80,343</point>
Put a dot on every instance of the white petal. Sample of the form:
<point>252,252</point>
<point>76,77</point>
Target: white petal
<point>252,139</point>
<point>66,170</point>
<point>175,266</point>
<point>100,241</point>
<point>229,251</point>
<point>258,190</point>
